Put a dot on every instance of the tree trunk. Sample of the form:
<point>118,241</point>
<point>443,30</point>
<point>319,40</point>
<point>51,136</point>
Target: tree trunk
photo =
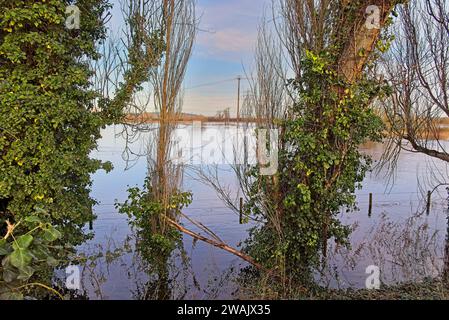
<point>362,40</point>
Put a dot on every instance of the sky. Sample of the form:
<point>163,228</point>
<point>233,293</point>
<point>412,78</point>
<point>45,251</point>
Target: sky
<point>223,51</point>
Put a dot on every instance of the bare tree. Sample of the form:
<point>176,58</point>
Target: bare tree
<point>417,68</point>
<point>163,93</point>
<point>171,26</point>
<point>304,25</point>
<point>176,23</point>
<point>263,106</point>
<point>181,26</point>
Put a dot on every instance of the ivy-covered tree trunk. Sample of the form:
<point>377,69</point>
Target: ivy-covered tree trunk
<point>358,43</point>
<point>50,120</point>
<point>360,40</point>
<point>47,123</point>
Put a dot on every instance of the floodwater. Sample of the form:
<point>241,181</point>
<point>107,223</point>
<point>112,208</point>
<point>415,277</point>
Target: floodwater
<point>209,271</point>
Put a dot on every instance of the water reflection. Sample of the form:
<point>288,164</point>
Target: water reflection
<point>211,272</point>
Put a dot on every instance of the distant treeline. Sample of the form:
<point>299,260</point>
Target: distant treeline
<point>182,117</point>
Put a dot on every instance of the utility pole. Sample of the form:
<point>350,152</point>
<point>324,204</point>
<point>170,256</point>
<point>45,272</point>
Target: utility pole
<point>239,79</point>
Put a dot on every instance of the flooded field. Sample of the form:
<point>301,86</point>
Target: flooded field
<point>206,272</point>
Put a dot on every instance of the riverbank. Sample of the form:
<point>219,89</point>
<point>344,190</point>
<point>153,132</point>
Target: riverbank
<point>428,289</point>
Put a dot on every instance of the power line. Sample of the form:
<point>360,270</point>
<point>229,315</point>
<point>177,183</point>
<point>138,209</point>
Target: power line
<point>208,84</point>
<point>239,79</point>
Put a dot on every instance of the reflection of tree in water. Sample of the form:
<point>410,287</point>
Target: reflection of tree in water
<point>141,276</point>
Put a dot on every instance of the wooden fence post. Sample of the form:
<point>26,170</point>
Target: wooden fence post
<point>241,211</point>
<point>370,208</point>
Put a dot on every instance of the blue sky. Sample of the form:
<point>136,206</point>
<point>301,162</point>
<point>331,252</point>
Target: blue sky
<point>222,52</point>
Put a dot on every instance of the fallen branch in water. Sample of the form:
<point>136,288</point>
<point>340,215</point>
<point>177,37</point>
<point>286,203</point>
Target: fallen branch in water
<point>224,246</point>
<point>218,244</point>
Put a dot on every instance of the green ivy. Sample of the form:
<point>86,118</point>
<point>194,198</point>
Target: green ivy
<point>50,117</point>
<point>320,167</point>
<point>47,123</point>
<point>157,240</point>
<point>28,248</point>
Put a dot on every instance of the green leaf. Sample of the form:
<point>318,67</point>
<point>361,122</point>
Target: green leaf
<point>40,211</point>
<point>41,252</point>
<point>52,262</point>
<point>23,242</point>
<point>4,247</point>
<point>25,273</point>
<point>33,219</point>
<point>9,275</point>
<point>20,258</point>
<point>51,234</point>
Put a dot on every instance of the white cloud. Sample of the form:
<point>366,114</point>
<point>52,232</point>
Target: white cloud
<point>233,28</point>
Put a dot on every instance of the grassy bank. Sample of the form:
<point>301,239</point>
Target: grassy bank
<point>429,289</point>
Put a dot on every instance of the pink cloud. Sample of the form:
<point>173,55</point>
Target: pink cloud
<point>232,27</point>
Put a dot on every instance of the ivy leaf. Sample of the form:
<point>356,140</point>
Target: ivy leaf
<point>20,258</point>
<point>51,234</point>
<point>40,211</point>
<point>108,167</point>
<point>23,242</point>
<point>4,246</point>
<point>33,219</point>
<point>25,273</point>
<point>52,262</point>
<point>41,252</point>
<point>9,275</point>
